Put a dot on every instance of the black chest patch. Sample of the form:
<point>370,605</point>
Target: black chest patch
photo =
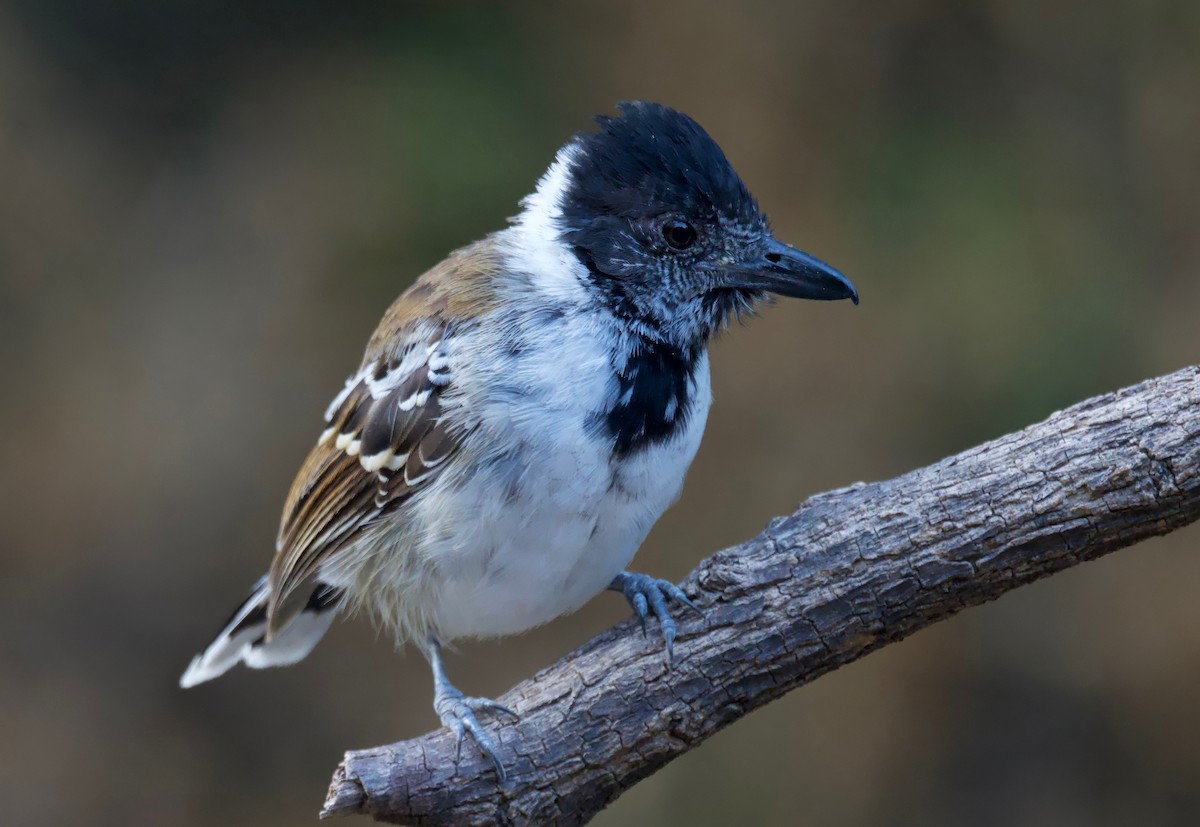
<point>653,397</point>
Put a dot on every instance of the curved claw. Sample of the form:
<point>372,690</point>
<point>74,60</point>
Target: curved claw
<point>646,594</point>
<point>677,594</point>
<point>457,713</point>
<point>488,705</point>
<point>640,606</point>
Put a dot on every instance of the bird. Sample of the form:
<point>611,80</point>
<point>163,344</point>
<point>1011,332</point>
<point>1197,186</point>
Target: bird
<point>525,412</point>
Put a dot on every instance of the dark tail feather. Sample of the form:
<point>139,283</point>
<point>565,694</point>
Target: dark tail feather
<point>242,639</point>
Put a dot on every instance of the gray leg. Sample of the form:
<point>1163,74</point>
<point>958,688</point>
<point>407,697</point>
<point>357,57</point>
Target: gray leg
<point>645,594</point>
<point>458,711</point>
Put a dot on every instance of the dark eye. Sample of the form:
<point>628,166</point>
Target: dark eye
<point>679,234</point>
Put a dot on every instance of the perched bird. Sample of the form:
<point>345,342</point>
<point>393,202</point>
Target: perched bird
<point>526,411</point>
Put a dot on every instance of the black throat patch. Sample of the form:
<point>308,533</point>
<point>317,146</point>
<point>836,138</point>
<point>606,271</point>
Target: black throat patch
<point>653,397</point>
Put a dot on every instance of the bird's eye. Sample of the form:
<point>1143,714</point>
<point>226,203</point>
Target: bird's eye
<point>679,234</point>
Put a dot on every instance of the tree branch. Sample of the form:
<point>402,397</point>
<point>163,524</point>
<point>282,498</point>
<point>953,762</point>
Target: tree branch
<point>851,571</point>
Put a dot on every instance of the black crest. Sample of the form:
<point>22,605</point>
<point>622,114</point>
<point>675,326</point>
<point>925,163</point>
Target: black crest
<point>629,182</point>
<point>650,161</point>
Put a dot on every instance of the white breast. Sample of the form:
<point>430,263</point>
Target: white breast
<point>543,517</point>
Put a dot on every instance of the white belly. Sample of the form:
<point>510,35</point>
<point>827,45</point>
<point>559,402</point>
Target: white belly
<point>538,558</point>
<point>524,542</point>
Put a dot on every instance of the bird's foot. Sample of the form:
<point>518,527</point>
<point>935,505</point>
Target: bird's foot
<point>650,594</point>
<point>458,714</point>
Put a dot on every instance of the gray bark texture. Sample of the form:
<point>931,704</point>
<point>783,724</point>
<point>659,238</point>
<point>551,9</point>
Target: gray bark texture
<point>850,571</point>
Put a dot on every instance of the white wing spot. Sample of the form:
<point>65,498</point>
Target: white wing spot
<point>345,392</point>
<point>376,462</point>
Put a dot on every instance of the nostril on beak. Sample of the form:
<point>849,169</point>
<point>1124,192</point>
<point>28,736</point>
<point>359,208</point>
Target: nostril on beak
<point>774,258</point>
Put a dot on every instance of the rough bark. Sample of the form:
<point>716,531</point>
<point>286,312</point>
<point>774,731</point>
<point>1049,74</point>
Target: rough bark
<point>850,571</point>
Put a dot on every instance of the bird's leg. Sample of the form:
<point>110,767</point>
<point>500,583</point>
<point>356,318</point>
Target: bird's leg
<point>646,594</point>
<point>458,711</point>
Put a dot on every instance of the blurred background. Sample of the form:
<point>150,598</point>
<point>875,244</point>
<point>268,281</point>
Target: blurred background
<point>204,208</point>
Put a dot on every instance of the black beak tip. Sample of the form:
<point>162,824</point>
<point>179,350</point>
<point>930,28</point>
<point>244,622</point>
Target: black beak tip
<point>849,291</point>
<point>786,271</point>
<point>843,288</point>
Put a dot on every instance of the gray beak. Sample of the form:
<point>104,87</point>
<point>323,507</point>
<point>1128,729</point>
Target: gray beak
<point>786,271</point>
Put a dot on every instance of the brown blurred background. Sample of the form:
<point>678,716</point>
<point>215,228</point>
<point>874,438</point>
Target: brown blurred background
<point>204,208</point>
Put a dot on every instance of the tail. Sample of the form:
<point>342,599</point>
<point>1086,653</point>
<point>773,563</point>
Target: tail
<point>243,638</point>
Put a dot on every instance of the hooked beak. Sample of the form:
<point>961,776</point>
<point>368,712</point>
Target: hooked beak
<point>786,271</point>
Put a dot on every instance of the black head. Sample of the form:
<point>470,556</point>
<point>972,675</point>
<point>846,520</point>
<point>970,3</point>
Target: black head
<point>670,236</point>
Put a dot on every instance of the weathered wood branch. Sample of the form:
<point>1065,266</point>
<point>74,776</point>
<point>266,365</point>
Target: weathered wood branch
<point>851,571</point>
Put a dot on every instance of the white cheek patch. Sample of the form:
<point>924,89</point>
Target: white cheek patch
<point>538,259</point>
<point>542,208</point>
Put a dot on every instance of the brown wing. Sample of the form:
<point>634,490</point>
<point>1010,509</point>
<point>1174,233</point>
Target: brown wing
<point>386,437</point>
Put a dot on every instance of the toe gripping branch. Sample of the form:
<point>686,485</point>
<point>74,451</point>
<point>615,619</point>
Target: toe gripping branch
<point>646,594</point>
<point>457,711</point>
